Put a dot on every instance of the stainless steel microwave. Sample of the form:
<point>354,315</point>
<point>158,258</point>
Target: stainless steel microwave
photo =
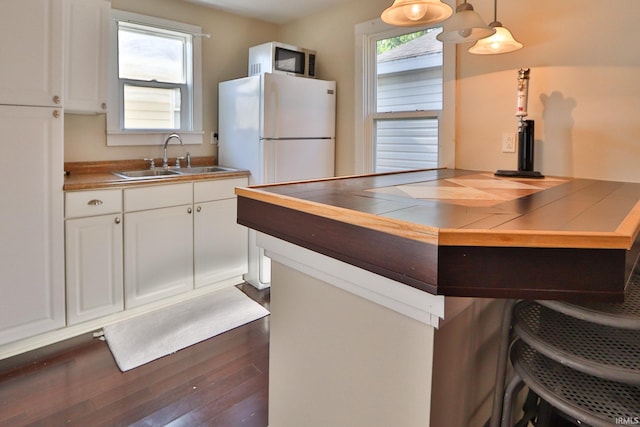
<point>280,58</point>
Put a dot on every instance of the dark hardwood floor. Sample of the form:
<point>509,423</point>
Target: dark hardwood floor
<point>222,381</point>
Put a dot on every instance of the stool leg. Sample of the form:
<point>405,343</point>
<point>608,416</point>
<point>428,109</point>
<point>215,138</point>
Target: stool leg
<point>530,409</point>
<point>545,413</point>
<point>501,369</point>
<point>514,386</point>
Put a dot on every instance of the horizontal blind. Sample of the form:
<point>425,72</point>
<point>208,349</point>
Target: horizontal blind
<point>410,90</point>
<point>404,144</point>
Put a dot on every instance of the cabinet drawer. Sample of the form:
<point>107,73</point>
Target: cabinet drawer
<point>157,196</point>
<point>90,203</point>
<point>217,189</point>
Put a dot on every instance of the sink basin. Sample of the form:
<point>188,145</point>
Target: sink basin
<point>161,172</point>
<point>206,169</point>
<point>146,173</point>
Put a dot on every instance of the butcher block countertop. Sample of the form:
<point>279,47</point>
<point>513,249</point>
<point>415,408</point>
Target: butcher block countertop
<point>463,233</point>
<point>97,175</point>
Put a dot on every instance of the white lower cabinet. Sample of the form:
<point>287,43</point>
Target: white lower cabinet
<point>220,244</point>
<point>93,250</point>
<point>94,267</point>
<point>158,243</point>
<point>126,248</point>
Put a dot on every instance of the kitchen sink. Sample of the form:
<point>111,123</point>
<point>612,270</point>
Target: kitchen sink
<point>206,169</point>
<point>162,172</point>
<point>146,173</point>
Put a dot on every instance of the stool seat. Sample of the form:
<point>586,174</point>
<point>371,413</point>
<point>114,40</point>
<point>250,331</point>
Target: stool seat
<point>619,315</point>
<point>591,400</point>
<point>579,360</point>
<point>599,350</point>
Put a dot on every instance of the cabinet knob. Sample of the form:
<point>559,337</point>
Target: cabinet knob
<point>56,113</point>
<point>94,202</point>
<point>189,210</point>
<point>199,208</point>
<point>103,105</point>
<point>117,220</point>
<point>56,99</point>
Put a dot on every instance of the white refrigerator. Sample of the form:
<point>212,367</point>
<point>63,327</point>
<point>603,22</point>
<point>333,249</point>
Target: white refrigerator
<point>281,128</point>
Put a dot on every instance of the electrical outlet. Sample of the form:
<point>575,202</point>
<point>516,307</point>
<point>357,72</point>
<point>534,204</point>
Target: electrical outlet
<point>508,142</point>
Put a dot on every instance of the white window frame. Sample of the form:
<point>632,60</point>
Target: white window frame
<point>366,35</point>
<point>191,132</point>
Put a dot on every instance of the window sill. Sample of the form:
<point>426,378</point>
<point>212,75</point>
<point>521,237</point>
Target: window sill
<point>151,138</point>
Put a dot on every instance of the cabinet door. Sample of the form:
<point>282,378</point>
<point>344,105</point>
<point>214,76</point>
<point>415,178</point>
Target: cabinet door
<point>220,244</point>
<point>158,254</point>
<point>86,41</point>
<point>94,267</point>
<point>31,46</point>
<point>31,223</point>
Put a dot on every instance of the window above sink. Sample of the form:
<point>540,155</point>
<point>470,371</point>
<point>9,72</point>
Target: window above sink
<point>155,82</point>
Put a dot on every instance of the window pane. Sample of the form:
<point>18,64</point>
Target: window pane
<point>409,72</point>
<point>145,55</point>
<point>151,108</point>
<point>408,79</point>
<point>406,144</point>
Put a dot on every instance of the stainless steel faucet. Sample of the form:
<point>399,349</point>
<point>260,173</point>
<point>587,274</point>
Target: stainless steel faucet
<point>165,159</point>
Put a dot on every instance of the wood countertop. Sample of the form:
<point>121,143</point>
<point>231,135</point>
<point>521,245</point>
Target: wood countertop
<point>463,233</point>
<point>97,175</point>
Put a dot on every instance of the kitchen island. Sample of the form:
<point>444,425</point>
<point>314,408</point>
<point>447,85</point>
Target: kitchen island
<point>366,266</point>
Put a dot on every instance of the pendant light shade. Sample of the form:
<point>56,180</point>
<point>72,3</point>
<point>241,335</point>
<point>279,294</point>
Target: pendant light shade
<point>501,42</point>
<point>465,26</point>
<point>407,13</point>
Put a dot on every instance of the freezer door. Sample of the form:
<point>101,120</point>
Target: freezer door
<point>298,159</point>
<point>297,107</point>
<point>239,124</point>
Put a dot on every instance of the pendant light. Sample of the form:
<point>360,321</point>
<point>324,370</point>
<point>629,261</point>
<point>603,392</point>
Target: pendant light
<point>501,42</point>
<point>407,13</point>
<point>465,26</point>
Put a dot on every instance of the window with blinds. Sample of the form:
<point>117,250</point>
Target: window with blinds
<point>408,101</point>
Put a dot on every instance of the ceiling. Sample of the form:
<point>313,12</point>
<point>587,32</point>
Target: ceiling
<point>276,11</point>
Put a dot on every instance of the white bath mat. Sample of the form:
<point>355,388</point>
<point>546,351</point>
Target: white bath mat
<point>136,341</point>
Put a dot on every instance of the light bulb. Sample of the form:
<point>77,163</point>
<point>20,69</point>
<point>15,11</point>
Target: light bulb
<point>415,12</point>
<point>465,32</point>
<point>501,42</point>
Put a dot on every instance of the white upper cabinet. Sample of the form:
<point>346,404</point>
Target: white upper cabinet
<point>86,41</point>
<point>31,51</point>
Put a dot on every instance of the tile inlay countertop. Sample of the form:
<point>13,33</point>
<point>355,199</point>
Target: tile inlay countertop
<point>463,233</point>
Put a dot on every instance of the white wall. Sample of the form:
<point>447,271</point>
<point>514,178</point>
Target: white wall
<point>584,92</point>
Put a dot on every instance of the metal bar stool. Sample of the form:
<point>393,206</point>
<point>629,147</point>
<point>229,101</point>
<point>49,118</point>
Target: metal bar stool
<point>625,315</point>
<point>596,345</point>
<point>584,398</point>
<point>501,370</point>
<point>599,350</point>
